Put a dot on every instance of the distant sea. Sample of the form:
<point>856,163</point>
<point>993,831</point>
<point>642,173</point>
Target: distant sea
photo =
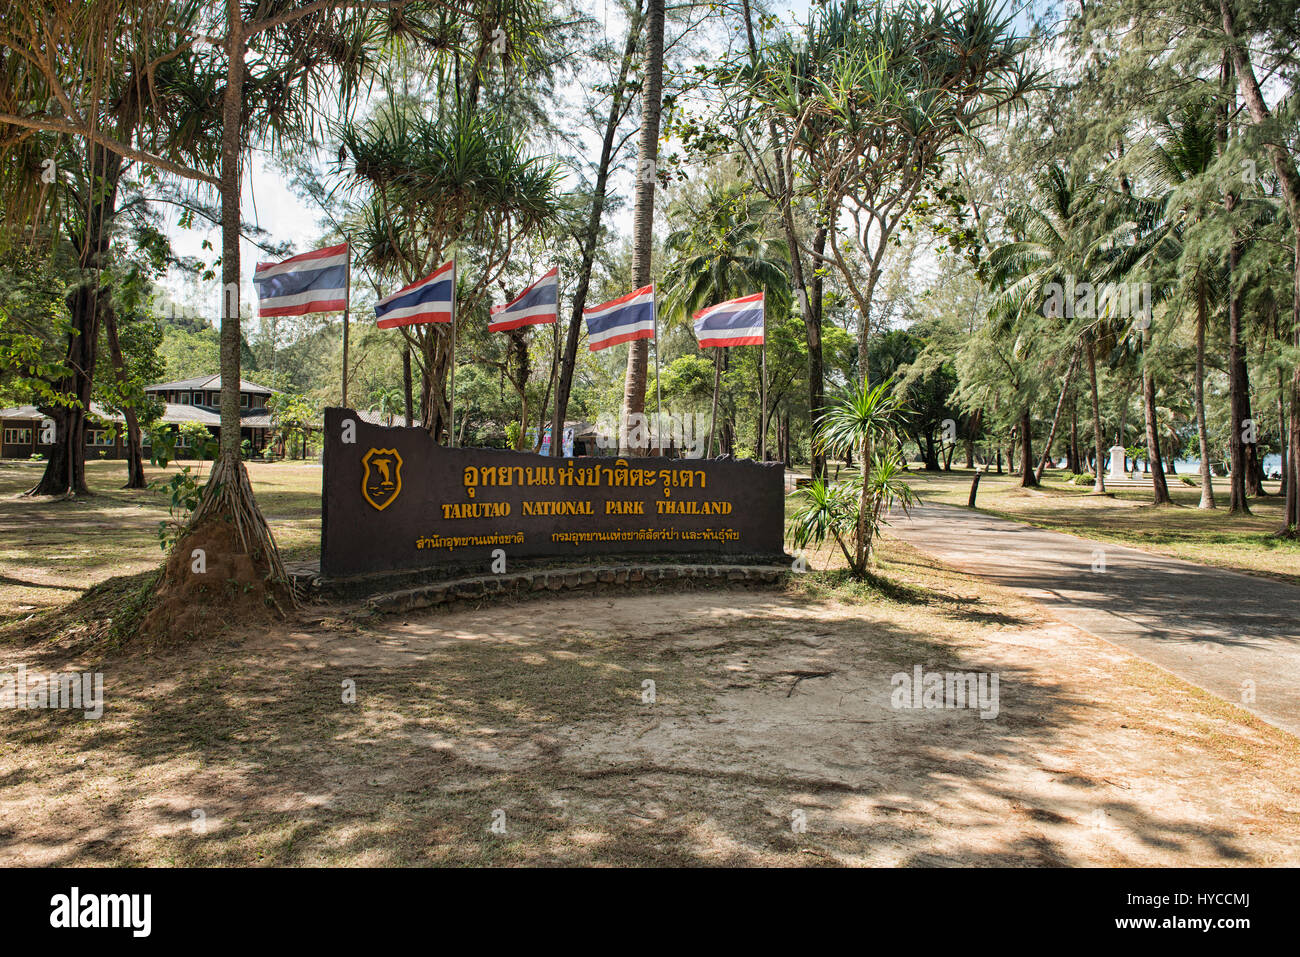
<point>1272,463</point>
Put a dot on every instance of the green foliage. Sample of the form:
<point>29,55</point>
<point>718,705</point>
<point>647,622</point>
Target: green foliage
<point>183,494</point>
<point>852,513</point>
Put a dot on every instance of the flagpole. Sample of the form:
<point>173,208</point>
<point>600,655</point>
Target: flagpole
<point>555,369</point>
<point>762,415</point>
<point>659,406</point>
<point>713,414</point>
<point>347,304</point>
<point>451,405</point>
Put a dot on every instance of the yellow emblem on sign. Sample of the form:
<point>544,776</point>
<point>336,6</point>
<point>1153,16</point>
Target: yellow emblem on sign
<point>381,480</point>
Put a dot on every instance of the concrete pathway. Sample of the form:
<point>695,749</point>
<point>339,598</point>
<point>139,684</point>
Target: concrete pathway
<point>1235,635</point>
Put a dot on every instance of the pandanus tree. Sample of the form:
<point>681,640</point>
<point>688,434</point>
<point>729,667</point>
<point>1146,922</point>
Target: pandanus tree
<point>429,185</point>
<point>863,421</point>
<point>868,126</point>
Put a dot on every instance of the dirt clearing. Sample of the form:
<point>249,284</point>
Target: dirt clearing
<point>526,734</point>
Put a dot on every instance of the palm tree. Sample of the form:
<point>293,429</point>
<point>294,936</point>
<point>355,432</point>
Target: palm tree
<point>722,251</point>
<point>1056,235</point>
<point>390,403</point>
<point>1182,157</point>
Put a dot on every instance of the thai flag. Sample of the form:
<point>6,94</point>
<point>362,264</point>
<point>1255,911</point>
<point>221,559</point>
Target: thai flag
<point>537,305</point>
<point>313,282</point>
<point>736,322</point>
<point>622,320</point>
<point>431,299</point>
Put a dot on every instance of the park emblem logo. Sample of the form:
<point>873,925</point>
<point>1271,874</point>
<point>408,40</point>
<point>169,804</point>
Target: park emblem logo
<point>381,478</point>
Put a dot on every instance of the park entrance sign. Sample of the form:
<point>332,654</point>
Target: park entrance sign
<point>394,499</point>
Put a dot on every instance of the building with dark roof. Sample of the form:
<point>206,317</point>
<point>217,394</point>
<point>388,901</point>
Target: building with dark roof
<point>186,400</point>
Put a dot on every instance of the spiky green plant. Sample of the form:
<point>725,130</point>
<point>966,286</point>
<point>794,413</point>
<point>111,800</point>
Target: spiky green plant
<point>858,422</point>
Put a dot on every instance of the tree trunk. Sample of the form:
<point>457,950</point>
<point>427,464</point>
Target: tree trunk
<point>1236,388</point>
<point>65,471</point>
<point>1288,175</point>
<point>406,386</point>
<point>1072,454</point>
<point>809,298</point>
<point>564,386</point>
<point>1056,416</point>
<point>1202,434</point>
<point>1098,480</point>
<point>1027,477</point>
<point>134,447</point>
<point>227,498</point>
<point>638,353</point>
<point>1159,487</point>
<point>1282,429</point>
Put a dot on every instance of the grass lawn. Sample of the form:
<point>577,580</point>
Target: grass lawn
<point>1211,537</point>
<point>51,551</point>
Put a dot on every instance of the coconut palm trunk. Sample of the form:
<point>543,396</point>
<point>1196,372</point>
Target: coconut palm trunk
<point>638,353</point>
<point>1056,416</point>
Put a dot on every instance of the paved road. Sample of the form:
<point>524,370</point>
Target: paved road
<point>1215,628</point>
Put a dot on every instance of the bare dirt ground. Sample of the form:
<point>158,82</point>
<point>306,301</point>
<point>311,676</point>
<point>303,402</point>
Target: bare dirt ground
<point>771,709</point>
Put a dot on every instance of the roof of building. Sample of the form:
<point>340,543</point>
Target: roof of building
<point>173,414</point>
<point>209,383</point>
<point>31,413</point>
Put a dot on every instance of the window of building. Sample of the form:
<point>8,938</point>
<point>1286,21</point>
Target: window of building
<point>18,437</point>
<point>100,437</point>
<point>182,398</point>
<point>243,400</point>
<point>198,398</point>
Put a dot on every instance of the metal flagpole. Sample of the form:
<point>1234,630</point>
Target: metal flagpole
<point>555,372</point>
<point>659,426</point>
<point>762,415</point>
<point>451,404</point>
<point>713,414</point>
<point>347,304</point>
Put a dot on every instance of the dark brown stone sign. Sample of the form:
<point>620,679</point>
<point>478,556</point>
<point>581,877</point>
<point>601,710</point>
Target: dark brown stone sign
<point>394,499</point>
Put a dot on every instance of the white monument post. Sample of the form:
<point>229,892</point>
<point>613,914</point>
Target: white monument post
<point>1117,455</point>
